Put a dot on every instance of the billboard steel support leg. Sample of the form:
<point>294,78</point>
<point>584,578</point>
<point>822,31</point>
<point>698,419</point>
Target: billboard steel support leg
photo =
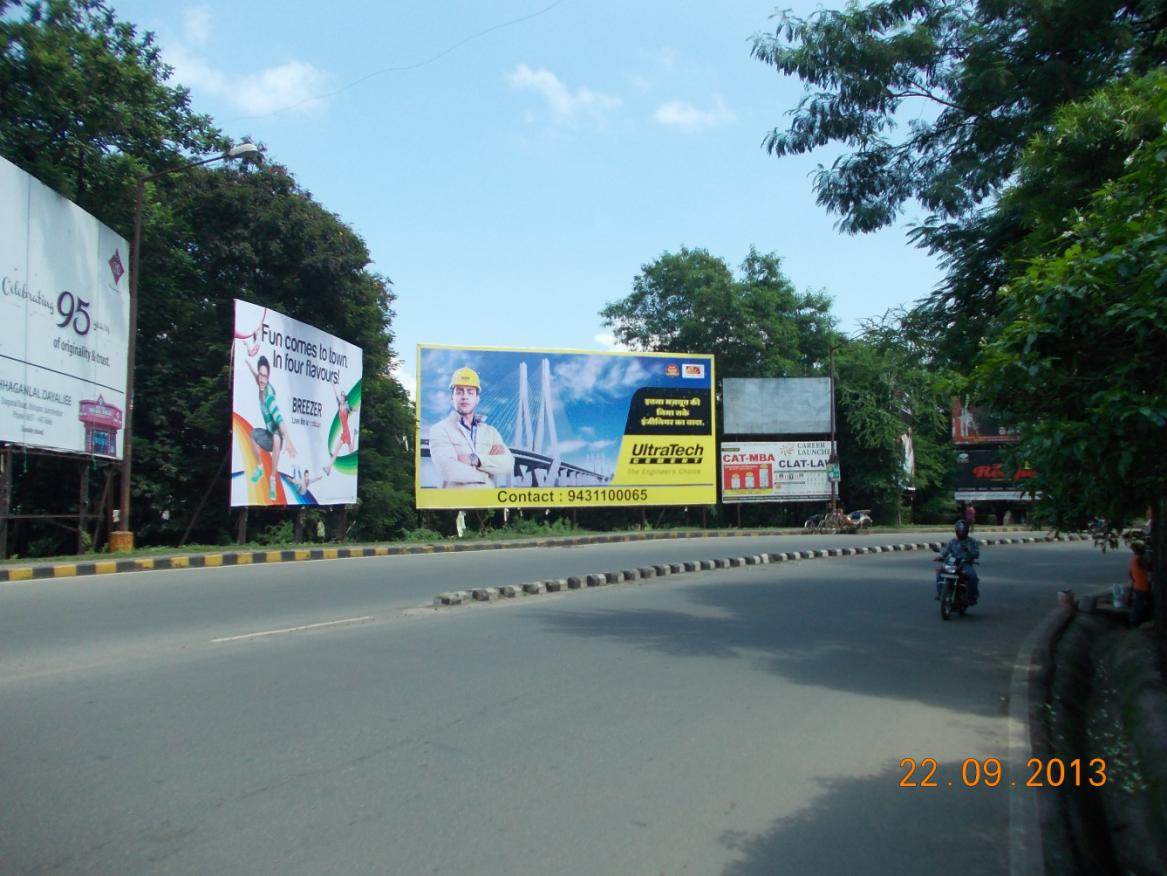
<point>5,499</point>
<point>83,507</point>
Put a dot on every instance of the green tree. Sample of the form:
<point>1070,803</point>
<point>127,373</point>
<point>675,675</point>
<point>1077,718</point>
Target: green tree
<point>86,104</point>
<point>1079,363</point>
<point>85,107</point>
<point>886,385</point>
<point>934,101</point>
<point>224,234</point>
<point>757,324</point>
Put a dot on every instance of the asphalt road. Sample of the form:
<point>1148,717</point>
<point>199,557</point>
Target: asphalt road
<point>741,721</point>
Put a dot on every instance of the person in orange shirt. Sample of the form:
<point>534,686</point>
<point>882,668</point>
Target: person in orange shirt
<point>1141,595</point>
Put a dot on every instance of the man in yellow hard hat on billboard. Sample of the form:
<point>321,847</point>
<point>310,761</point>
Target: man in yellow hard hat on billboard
<point>466,451</point>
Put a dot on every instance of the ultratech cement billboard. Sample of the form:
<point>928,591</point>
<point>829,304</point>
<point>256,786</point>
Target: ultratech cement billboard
<point>551,428</point>
<point>295,412</point>
<point>64,322</point>
<point>775,471</point>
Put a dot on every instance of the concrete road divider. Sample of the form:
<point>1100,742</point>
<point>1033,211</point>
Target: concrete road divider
<point>643,573</point>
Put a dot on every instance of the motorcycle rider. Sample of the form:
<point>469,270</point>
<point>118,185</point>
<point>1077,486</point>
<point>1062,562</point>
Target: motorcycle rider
<point>963,549</point>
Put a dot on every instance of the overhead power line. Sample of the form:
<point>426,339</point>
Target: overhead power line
<point>404,67</point>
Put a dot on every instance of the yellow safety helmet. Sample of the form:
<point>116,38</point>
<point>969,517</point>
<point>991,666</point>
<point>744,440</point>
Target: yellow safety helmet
<point>465,376</point>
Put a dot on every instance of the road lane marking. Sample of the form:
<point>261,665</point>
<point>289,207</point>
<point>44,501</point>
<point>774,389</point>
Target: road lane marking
<point>263,633</point>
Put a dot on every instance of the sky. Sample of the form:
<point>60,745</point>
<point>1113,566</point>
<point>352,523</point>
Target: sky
<point>513,164</point>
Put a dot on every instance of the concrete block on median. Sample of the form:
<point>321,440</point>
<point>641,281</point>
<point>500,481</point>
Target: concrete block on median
<point>485,594</point>
<point>753,561</point>
<point>721,563</point>
<point>510,591</point>
<point>596,580</point>
<point>534,588</point>
<point>647,572</point>
<point>448,599</point>
<point>630,574</point>
<point>737,562</point>
<point>555,585</point>
<point>661,570</point>
<point>692,565</point>
<point>614,577</point>
<point>574,582</point>
<point>677,568</point>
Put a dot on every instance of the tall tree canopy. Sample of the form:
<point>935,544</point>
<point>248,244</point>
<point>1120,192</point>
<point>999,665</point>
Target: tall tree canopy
<point>888,386</point>
<point>934,101</point>
<point>1079,364</point>
<point>85,107</point>
<point>756,323</point>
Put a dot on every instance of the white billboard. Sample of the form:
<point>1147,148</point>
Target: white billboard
<point>775,471</point>
<point>64,322</point>
<point>295,412</point>
<point>776,405</point>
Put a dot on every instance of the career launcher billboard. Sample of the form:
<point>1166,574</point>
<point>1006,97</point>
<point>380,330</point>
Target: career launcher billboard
<point>775,471</point>
<point>295,412</point>
<point>552,428</point>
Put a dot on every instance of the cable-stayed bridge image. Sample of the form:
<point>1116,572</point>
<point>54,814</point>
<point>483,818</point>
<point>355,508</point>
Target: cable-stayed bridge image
<point>548,448</point>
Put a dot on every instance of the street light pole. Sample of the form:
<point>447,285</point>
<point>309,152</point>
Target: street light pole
<point>834,458</point>
<point>123,538</point>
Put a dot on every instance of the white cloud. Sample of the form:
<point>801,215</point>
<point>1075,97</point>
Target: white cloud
<point>608,341</point>
<point>565,105</point>
<point>679,114</point>
<point>585,377</point>
<point>196,24</point>
<point>294,85</point>
<point>193,71</point>
<point>404,374</point>
<point>666,57</point>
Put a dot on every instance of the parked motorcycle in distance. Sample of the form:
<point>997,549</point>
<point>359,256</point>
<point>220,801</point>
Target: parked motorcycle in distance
<point>953,587</point>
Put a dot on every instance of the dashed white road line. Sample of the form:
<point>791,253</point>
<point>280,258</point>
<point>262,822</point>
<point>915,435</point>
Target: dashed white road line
<point>263,633</point>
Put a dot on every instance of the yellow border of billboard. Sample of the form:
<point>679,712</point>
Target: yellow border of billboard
<point>567,497</point>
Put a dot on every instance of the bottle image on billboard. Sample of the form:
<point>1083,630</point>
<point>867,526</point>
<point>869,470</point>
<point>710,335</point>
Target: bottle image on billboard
<point>749,480</point>
<point>764,477</point>
<point>735,481</point>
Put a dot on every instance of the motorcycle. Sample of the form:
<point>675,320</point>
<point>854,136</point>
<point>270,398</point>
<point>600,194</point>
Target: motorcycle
<point>953,587</point>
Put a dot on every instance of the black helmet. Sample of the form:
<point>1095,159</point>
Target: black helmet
<point>961,528</point>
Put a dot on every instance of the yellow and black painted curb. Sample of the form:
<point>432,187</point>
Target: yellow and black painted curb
<point>246,558</point>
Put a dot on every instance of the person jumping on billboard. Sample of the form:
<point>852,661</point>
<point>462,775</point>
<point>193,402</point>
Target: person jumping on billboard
<point>274,438</point>
<point>346,437</point>
<point>466,451</point>
<point>304,480</point>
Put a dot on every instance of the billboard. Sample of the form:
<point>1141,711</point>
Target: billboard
<point>775,471</point>
<point>982,475</point>
<point>295,412</point>
<point>776,405</point>
<point>64,322</point>
<point>973,425</point>
<point>551,428</point>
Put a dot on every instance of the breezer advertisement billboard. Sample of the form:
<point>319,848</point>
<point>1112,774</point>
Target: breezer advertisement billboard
<point>64,322</point>
<point>775,471</point>
<point>295,412</point>
<point>549,428</point>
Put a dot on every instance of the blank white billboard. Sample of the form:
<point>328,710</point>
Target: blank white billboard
<point>776,405</point>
